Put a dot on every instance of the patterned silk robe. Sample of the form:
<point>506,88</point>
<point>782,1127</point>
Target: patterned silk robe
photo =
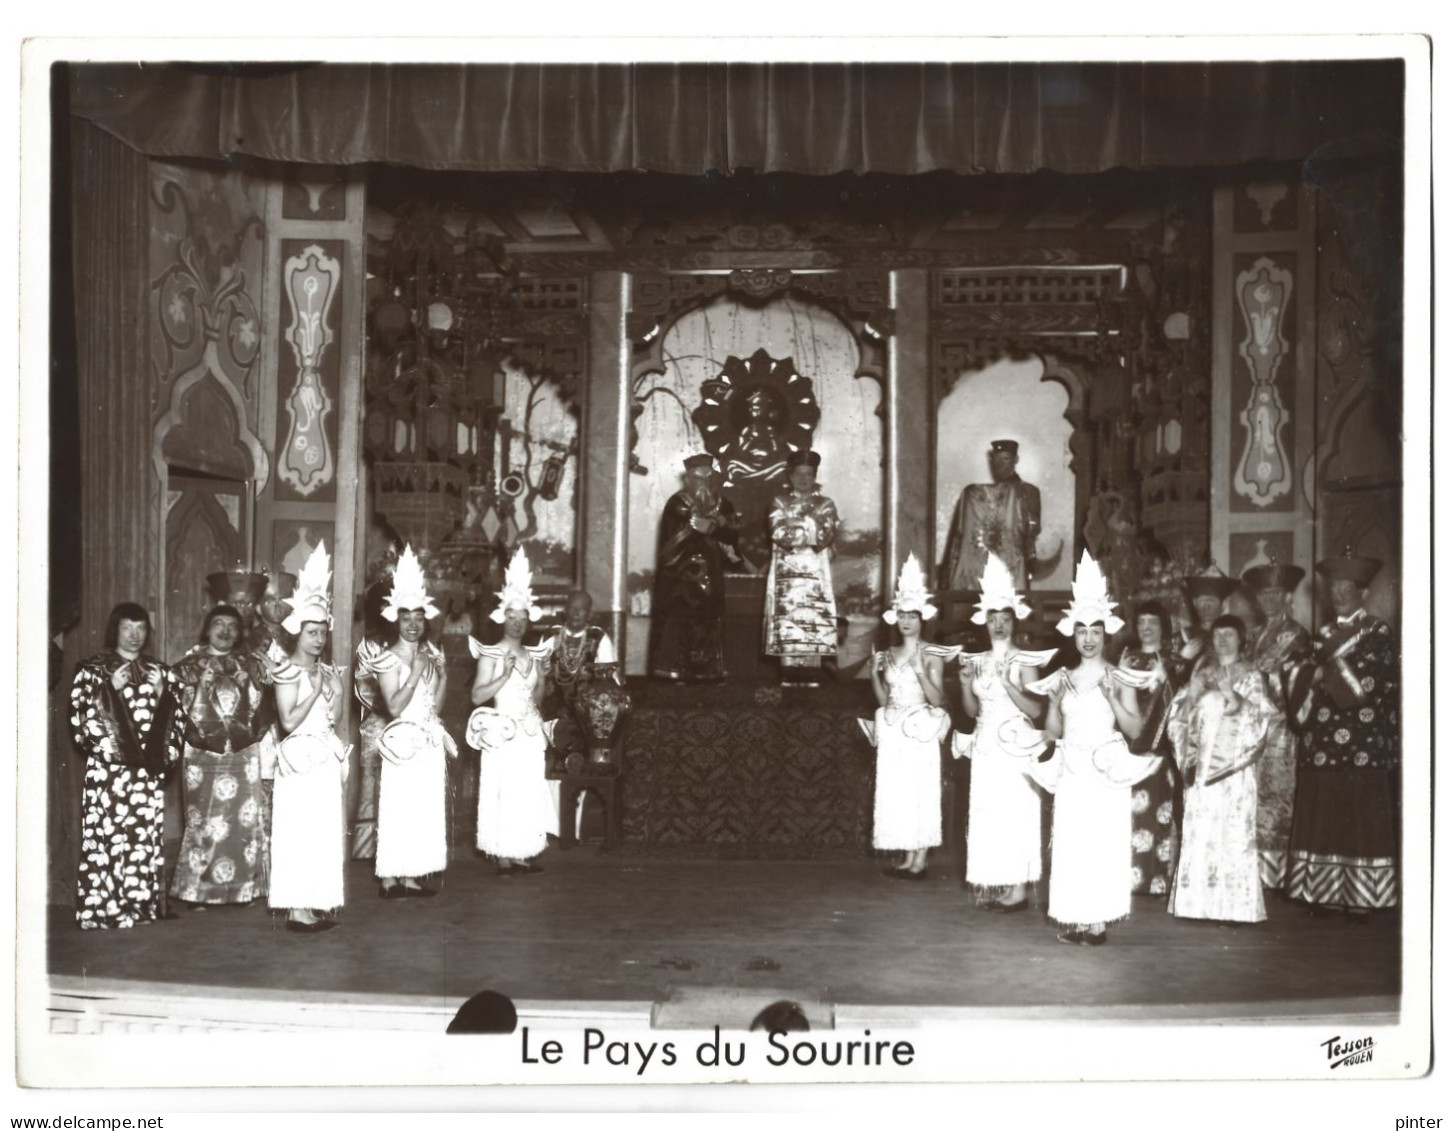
<point>801,608</point>
<point>131,739</point>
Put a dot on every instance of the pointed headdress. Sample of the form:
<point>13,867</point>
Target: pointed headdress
<point>517,593</point>
<point>1091,601</point>
<point>912,593</point>
<point>313,598</point>
<point>998,592</point>
<point>409,590</point>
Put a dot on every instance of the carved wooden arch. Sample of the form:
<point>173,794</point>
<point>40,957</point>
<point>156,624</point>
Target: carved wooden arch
<point>859,300</point>
<point>195,510</point>
<point>243,440</point>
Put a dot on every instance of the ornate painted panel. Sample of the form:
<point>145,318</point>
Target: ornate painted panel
<point>308,369</point>
<point>1263,383</point>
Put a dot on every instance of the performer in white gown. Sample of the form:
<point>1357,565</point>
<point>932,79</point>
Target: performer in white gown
<point>516,811</point>
<point>1005,808</point>
<point>413,784</point>
<point>312,762</point>
<point>1092,709</point>
<point>908,731</point>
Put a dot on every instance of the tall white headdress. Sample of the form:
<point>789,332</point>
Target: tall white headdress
<point>998,592</point>
<point>409,589</point>
<point>912,593</point>
<point>517,593</point>
<point>312,600</point>
<point>1091,601</point>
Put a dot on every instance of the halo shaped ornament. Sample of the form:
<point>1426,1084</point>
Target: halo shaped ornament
<point>1263,472</point>
<point>310,280</point>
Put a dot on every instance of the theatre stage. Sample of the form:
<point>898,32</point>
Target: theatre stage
<point>628,933</point>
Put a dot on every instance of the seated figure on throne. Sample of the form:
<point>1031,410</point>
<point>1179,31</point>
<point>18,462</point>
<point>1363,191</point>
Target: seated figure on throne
<point>698,534</point>
<point>1000,518</point>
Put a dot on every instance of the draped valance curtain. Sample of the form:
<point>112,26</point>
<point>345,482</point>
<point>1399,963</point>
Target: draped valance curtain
<point>801,118</point>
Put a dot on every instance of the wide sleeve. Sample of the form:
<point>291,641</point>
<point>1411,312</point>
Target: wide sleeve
<point>827,523</point>
<point>1178,726</point>
<point>1240,740</point>
<point>173,716</point>
<point>90,729</point>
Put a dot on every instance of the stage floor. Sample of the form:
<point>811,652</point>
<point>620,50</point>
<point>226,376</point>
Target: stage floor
<point>602,928</point>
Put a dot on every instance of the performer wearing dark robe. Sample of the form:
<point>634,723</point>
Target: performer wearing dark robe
<point>584,692</point>
<point>1154,802</point>
<point>1275,649</point>
<point>698,533</point>
<point>1002,517</point>
<point>126,718</point>
<point>1343,847</point>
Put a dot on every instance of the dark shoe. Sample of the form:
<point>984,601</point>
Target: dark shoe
<point>1100,939</point>
<point>392,891</point>
<point>416,893</point>
<point>526,869</point>
<point>297,927</point>
<point>503,869</point>
<point>920,875</point>
<point>1009,908</point>
<point>1072,938</point>
<point>994,906</point>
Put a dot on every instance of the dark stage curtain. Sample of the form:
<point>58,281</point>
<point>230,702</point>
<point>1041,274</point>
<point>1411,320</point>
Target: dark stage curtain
<point>800,118</point>
<point>114,386</point>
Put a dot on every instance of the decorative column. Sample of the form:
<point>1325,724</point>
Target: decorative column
<point>909,458</point>
<point>604,492</point>
<point>312,384</point>
<point>1262,420</point>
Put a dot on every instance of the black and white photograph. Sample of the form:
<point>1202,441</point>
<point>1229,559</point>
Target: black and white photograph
<point>569,568</point>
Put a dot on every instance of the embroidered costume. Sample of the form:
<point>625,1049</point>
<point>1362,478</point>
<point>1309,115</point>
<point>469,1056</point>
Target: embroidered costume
<point>1154,801</point>
<point>801,608</point>
<point>228,701</point>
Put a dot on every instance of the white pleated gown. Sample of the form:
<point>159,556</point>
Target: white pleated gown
<point>907,807</point>
<point>412,793</point>
<point>516,811</point>
<point>1005,810</point>
<point>307,813</point>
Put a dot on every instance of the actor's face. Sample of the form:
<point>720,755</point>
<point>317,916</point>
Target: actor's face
<point>1226,642</point>
<point>1207,609</point>
<point>1000,624</point>
<point>313,638</point>
<point>1001,465</point>
<point>1150,631</point>
<point>1089,639</point>
<point>131,636</point>
<point>803,479</point>
<point>909,622</point>
<point>515,623</point>
<point>1272,601</point>
<point>577,612</point>
<point>222,634</point>
<point>1346,596</point>
<point>273,609</point>
<point>411,625</point>
<point>242,600</point>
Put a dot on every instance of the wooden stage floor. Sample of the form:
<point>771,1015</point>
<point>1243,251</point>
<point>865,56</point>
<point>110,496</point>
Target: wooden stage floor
<point>603,928</point>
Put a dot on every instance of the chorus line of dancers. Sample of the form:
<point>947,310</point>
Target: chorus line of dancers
<point>1272,756</point>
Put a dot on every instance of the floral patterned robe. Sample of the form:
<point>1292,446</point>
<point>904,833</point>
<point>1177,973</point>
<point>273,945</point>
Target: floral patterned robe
<point>1278,646</point>
<point>1343,843</point>
<point>224,846</point>
<point>131,738</point>
<point>801,609</point>
<point>1155,802</point>
<point>1218,876</point>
